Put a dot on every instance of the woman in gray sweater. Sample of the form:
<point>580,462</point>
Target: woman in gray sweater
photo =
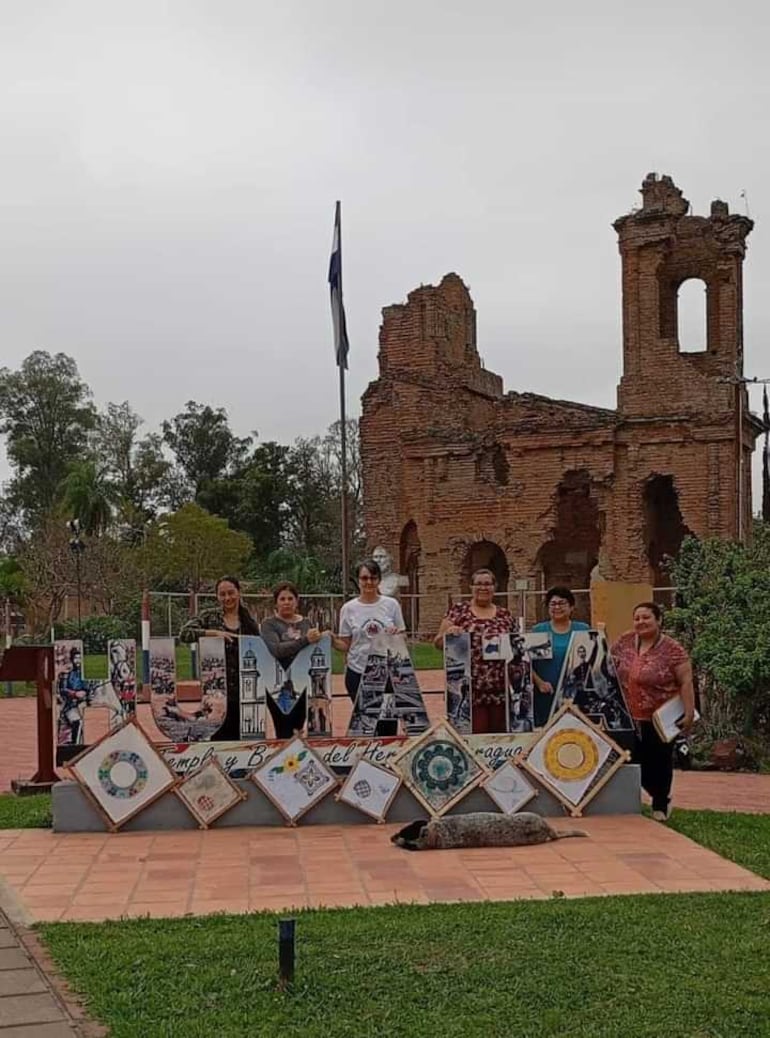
<point>285,633</point>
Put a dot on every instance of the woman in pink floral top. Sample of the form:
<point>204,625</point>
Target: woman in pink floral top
<point>653,668</point>
<point>483,619</point>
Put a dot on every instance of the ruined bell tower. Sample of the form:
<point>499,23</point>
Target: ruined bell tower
<point>662,246</point>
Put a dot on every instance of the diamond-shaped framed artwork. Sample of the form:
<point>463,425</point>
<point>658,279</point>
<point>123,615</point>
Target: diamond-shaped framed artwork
<point>573,758</point>
<point>295,779</point>
<point>370,788</point>
<point>510,788</point>
<point>122,773</point>
<point>439,769</point>
<point>208,793</point>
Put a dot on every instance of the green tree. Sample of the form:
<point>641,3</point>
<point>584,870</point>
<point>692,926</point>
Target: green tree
<point>306,571</point>
<point>192,547</point>
<point>723,617</point>
<point>47,415</point>
<point>253,497</point>
<point>136,467</point>
<point>88,495</point>
<point>203,444</point>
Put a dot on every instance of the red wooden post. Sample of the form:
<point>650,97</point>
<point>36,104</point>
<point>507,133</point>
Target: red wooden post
<point>35,663</point>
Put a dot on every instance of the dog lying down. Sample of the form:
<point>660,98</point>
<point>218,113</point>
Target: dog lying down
<point>479,829</point>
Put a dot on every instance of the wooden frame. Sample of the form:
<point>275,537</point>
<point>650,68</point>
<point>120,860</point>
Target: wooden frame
<point>292,757</point>
<point>584,737</point>
<point>492,788</point>
<point>86,778</point>
<point>443,732</point>
<point>362,772</point>
<point>212,765</point>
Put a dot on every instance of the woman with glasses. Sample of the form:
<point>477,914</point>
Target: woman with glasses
<point>560,603</point>
<point>485,621</point>
<point>362,619</point>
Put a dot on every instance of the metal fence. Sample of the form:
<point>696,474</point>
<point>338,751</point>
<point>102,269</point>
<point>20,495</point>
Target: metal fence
<point>422,613</point>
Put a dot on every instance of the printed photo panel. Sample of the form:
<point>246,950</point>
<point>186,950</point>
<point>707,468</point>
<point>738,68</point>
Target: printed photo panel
<point>113,696</point>
<point>189,721</point>
<point>590,682</point>
<point>457,674</point>
<point>389,690</point>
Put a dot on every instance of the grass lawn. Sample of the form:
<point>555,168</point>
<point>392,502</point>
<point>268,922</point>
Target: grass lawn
<point>744,839</point>
<point>676,965</point>
<point>32,812</point>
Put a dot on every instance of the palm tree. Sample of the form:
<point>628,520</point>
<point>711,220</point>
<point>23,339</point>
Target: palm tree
<point>88,495</point>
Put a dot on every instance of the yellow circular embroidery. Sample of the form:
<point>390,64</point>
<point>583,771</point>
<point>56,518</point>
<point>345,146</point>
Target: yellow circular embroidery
<point>571,755</point>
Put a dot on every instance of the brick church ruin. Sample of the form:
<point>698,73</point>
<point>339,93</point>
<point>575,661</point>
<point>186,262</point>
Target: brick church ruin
<point>459,473</point>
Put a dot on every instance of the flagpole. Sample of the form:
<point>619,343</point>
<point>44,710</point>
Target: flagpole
<point>344,489</point>
<point>341,347</point>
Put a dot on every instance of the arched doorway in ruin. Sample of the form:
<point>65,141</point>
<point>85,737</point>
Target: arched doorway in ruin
<point>409,566</point>
<point>572,550</point>
<point>485,555</point>
<point>664,525</point>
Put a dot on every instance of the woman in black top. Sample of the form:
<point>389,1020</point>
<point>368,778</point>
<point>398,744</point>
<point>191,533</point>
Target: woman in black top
<point>226,620</point>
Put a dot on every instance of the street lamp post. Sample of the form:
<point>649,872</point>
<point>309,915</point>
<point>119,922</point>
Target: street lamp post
<point>77,547</point>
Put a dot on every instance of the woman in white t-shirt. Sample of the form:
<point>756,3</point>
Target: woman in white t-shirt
<point>362,619</point>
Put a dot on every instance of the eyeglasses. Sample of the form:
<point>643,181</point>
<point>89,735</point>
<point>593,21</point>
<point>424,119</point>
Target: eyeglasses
<point>368,580</point>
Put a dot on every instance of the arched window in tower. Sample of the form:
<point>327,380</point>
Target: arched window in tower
<point>485,555</point>
<point>691,311</point>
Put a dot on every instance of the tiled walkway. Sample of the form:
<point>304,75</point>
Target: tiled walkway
<point>94,876</point>
<point>29,1007</point>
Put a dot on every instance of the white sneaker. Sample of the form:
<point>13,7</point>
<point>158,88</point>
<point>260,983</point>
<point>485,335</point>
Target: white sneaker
<point>659,816</point>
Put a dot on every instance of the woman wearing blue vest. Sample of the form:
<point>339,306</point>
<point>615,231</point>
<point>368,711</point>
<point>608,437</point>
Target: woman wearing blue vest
<point>560,603</point>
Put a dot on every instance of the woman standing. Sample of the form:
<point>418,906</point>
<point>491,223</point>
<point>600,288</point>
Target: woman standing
<point>653,668</point>
<point>285,633</point>
<point>484,620</point>
<point>227,620</point>
<point>362,619</point>
<point>560,603</point>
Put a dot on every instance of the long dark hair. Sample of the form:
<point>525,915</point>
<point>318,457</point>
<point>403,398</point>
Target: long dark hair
<point>248,624</point>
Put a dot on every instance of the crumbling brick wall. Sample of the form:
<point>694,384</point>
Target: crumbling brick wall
<point>543,489</point>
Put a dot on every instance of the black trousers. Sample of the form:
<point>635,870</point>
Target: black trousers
<point>657,761</point>
<point>352,681</point>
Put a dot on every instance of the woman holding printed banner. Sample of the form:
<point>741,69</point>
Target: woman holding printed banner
<point>285,634</point>
<point>227,620</point>
<point>362,619</point>
<point>560,603</point>
<point>653,668</point>
<point>485,621</point>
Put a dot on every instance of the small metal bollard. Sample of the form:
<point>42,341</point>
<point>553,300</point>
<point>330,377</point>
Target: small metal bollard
<point>286,932</point>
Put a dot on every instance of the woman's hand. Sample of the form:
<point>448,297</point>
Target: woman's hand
<point>687,721</point>
<point>545,687</point>
<point>313,635</point>
<point>453,629</point>
<point>227,635</point>
<point>391,630</point>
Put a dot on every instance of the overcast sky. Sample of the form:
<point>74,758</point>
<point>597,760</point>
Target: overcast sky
<point>168,173</point>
